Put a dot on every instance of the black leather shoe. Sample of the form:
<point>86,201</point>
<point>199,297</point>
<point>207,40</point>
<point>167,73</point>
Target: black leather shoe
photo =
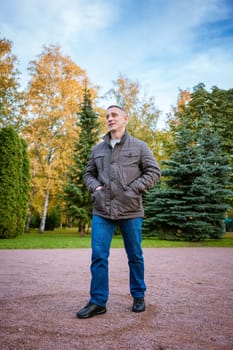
<point>91,310</point>
<point>138,305</point>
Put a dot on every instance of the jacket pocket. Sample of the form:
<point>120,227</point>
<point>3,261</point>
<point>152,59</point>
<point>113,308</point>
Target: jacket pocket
<point>129,167</point>
<point>129,158</point>
<point>98,199</point>
<point>99,161</point>
<point>131,201</point>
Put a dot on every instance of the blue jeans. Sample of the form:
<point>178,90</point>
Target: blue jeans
<point>102,233</point>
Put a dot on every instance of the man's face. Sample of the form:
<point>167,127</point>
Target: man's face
<point>116,119</point>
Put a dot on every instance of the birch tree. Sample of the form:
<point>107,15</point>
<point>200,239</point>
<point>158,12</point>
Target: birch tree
<point>11,100</point>
<point>141,109</point>
<point>53,98</point>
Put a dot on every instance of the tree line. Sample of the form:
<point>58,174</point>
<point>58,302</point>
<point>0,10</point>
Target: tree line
<point>58,117</point>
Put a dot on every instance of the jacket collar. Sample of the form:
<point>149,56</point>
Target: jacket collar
<point>107,138</point>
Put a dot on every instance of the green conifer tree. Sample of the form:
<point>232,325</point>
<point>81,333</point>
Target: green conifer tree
<point>14,183</point>
<point>75,192</point>
<point>222,102</point>
<point>24,186</point>
<point>8,182</point>
<point>191,203</point>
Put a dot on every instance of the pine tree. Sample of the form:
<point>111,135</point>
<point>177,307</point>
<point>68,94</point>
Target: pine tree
<point>223,121</point>
<point>191,203</point>
<point>75,192</point>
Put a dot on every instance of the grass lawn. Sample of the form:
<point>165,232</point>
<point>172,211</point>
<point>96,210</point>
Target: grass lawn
<point>68,238</point>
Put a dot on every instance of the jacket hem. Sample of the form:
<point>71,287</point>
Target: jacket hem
<point>119,217</point>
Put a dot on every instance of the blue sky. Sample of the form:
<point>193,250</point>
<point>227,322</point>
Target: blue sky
<point>165,45</point>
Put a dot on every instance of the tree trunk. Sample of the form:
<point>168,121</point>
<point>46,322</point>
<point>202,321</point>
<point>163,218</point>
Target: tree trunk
<point>81,230</point>
<point>28,221</point>
<point>44,213</point>
<point>69,222</point>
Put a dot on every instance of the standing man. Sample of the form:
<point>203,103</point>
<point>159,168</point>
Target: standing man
<point>120,170</point>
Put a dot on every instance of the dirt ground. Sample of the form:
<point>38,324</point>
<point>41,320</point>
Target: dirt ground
<point>189,301</point>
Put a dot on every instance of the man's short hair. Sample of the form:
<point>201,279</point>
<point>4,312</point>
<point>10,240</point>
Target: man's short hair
<point>116,106</point>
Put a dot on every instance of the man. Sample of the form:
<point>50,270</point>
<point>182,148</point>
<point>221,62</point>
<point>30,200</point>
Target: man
<point>120,170</point>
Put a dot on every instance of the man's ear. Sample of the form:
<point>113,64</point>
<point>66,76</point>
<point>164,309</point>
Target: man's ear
<point>126,119</point>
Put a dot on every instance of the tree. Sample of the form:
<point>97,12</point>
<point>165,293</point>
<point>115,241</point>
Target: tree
<point>222,117</point>
<point>53,98</point>
<point>220,111</point>
<point>11,100</point>
<point>142,112</point>
<point>24,191</point>
<point>75,192</point>
<point>14,179</point>
<point>191,203</point>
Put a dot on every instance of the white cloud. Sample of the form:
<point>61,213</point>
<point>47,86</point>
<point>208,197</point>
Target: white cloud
<point>165,45</point>
<point>84,20</point>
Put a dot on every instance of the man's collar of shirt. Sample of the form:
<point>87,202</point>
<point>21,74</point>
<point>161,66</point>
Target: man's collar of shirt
<point>107,138</point>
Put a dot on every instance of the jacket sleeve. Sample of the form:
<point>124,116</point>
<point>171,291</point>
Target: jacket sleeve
<point>91,175</point>
<point>150,171</point>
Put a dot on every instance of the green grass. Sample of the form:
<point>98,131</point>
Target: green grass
<point>68,238</point>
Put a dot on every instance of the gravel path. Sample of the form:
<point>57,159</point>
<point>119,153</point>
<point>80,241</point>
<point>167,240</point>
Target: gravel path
<point>189,301</point>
